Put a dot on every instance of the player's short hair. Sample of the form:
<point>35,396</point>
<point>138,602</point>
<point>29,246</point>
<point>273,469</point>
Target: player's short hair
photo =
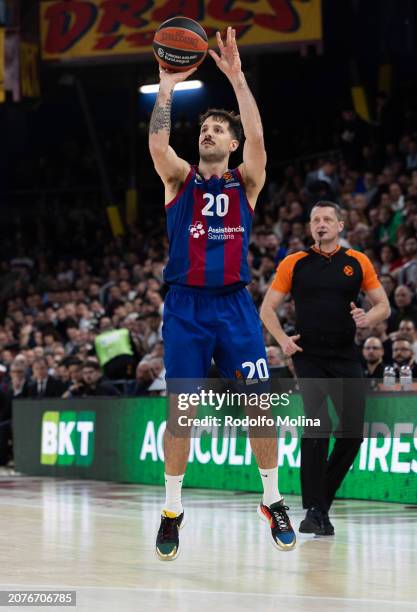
<point>222,115</point>
<point>328,204</point>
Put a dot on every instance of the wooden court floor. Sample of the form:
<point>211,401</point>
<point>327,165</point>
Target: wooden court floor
<point>98,539</point>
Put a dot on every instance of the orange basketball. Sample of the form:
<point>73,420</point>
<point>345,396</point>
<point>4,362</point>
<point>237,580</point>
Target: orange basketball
<point>179,44</point>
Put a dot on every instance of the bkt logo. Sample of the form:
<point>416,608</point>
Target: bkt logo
<point>68,438</point>
<point>197,230</point>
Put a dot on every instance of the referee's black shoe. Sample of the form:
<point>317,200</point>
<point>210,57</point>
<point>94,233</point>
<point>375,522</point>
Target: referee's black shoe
<point>316,521</point>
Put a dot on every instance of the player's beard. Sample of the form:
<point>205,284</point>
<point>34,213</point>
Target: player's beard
<point>213,156</point>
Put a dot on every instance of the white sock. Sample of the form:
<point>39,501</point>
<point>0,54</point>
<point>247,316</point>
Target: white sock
<point>173,485</point>
<point>270,484</point>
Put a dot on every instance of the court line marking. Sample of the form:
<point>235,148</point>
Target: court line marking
<point>206,592</point>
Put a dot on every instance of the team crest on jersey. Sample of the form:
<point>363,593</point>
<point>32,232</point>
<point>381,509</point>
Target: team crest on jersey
<point>197,230</point>
<point>348,270</point>
<point>230,180</point>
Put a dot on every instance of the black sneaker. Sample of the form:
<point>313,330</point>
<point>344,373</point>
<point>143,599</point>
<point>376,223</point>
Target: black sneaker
<point>283,536</point>
<point>167,540</point>
<point>328,528</point>
<point>316,521</point>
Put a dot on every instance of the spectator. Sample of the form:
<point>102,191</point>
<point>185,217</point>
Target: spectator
<point>407,330</point>
<point>396,197</point>
<point>18,381</point>
<point>92,383</point>
<point>105,324</point>
<point>265,271</point>
<point>407,274</point>
<point>62,373</point>
<point>323,183</point>
<point>380,331</point>
<point>146,373</point>
<point>43,385</point>
<point>373,354</point>
<point>389,284</point>
<point>294,245</point>
<point>402,354</point>
<point>73,335</point>
<point>387,255</point>
<point>155,324</point>
<point>74,365</point>
<point>389,222</point>
<point>116,353</point>
<point>405,309</point>
<point>155,299</point>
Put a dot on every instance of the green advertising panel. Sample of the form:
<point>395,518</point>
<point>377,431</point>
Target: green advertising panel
<point>67,438</point>
<point>122,440</point>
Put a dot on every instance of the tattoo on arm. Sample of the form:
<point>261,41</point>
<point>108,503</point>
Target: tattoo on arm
<point>161,116</point>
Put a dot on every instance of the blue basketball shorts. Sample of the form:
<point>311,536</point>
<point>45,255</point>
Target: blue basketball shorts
<point>199,327</point>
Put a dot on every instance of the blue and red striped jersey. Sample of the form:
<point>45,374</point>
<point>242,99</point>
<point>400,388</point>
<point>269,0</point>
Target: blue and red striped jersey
<point>209,223</point>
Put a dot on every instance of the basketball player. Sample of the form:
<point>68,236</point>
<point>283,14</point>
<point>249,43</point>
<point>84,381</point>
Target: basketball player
<point>208,312</point>
<point>325,281</point>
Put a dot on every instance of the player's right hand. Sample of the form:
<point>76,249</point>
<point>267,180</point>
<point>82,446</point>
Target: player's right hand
<point>172,78</point>
<point>289,345</point>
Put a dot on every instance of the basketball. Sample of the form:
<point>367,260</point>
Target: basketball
<point>179,44</point>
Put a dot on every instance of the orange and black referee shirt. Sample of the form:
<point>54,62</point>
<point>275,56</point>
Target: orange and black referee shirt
<point>323,286</point>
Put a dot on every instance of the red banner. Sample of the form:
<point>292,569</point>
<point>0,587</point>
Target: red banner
<point>74,29</point>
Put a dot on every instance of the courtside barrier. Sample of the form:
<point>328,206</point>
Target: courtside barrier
<point>122,440</point>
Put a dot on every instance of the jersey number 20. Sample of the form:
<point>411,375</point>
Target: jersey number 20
<point>222,204</point>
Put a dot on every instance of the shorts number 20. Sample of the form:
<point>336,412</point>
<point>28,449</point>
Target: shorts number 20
<point>260,367</point>
<point>222,204</point>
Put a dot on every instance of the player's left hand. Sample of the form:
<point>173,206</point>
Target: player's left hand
<point>359,316</point>
<point>229,59</point>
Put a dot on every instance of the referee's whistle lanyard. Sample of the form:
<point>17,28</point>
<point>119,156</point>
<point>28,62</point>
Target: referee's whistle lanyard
<point>327,256</point>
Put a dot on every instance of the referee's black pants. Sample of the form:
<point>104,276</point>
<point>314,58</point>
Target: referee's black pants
<point>342,381</point>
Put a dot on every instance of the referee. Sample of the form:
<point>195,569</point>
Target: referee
<point>325,281</point>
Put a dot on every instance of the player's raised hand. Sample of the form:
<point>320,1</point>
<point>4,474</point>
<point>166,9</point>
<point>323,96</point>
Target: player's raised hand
<point>289,345</point>
<point>229,60</point>
<point>172,78</point>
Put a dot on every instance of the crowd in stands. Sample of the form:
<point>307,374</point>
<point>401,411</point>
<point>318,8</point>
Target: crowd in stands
<point>82,310</point>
